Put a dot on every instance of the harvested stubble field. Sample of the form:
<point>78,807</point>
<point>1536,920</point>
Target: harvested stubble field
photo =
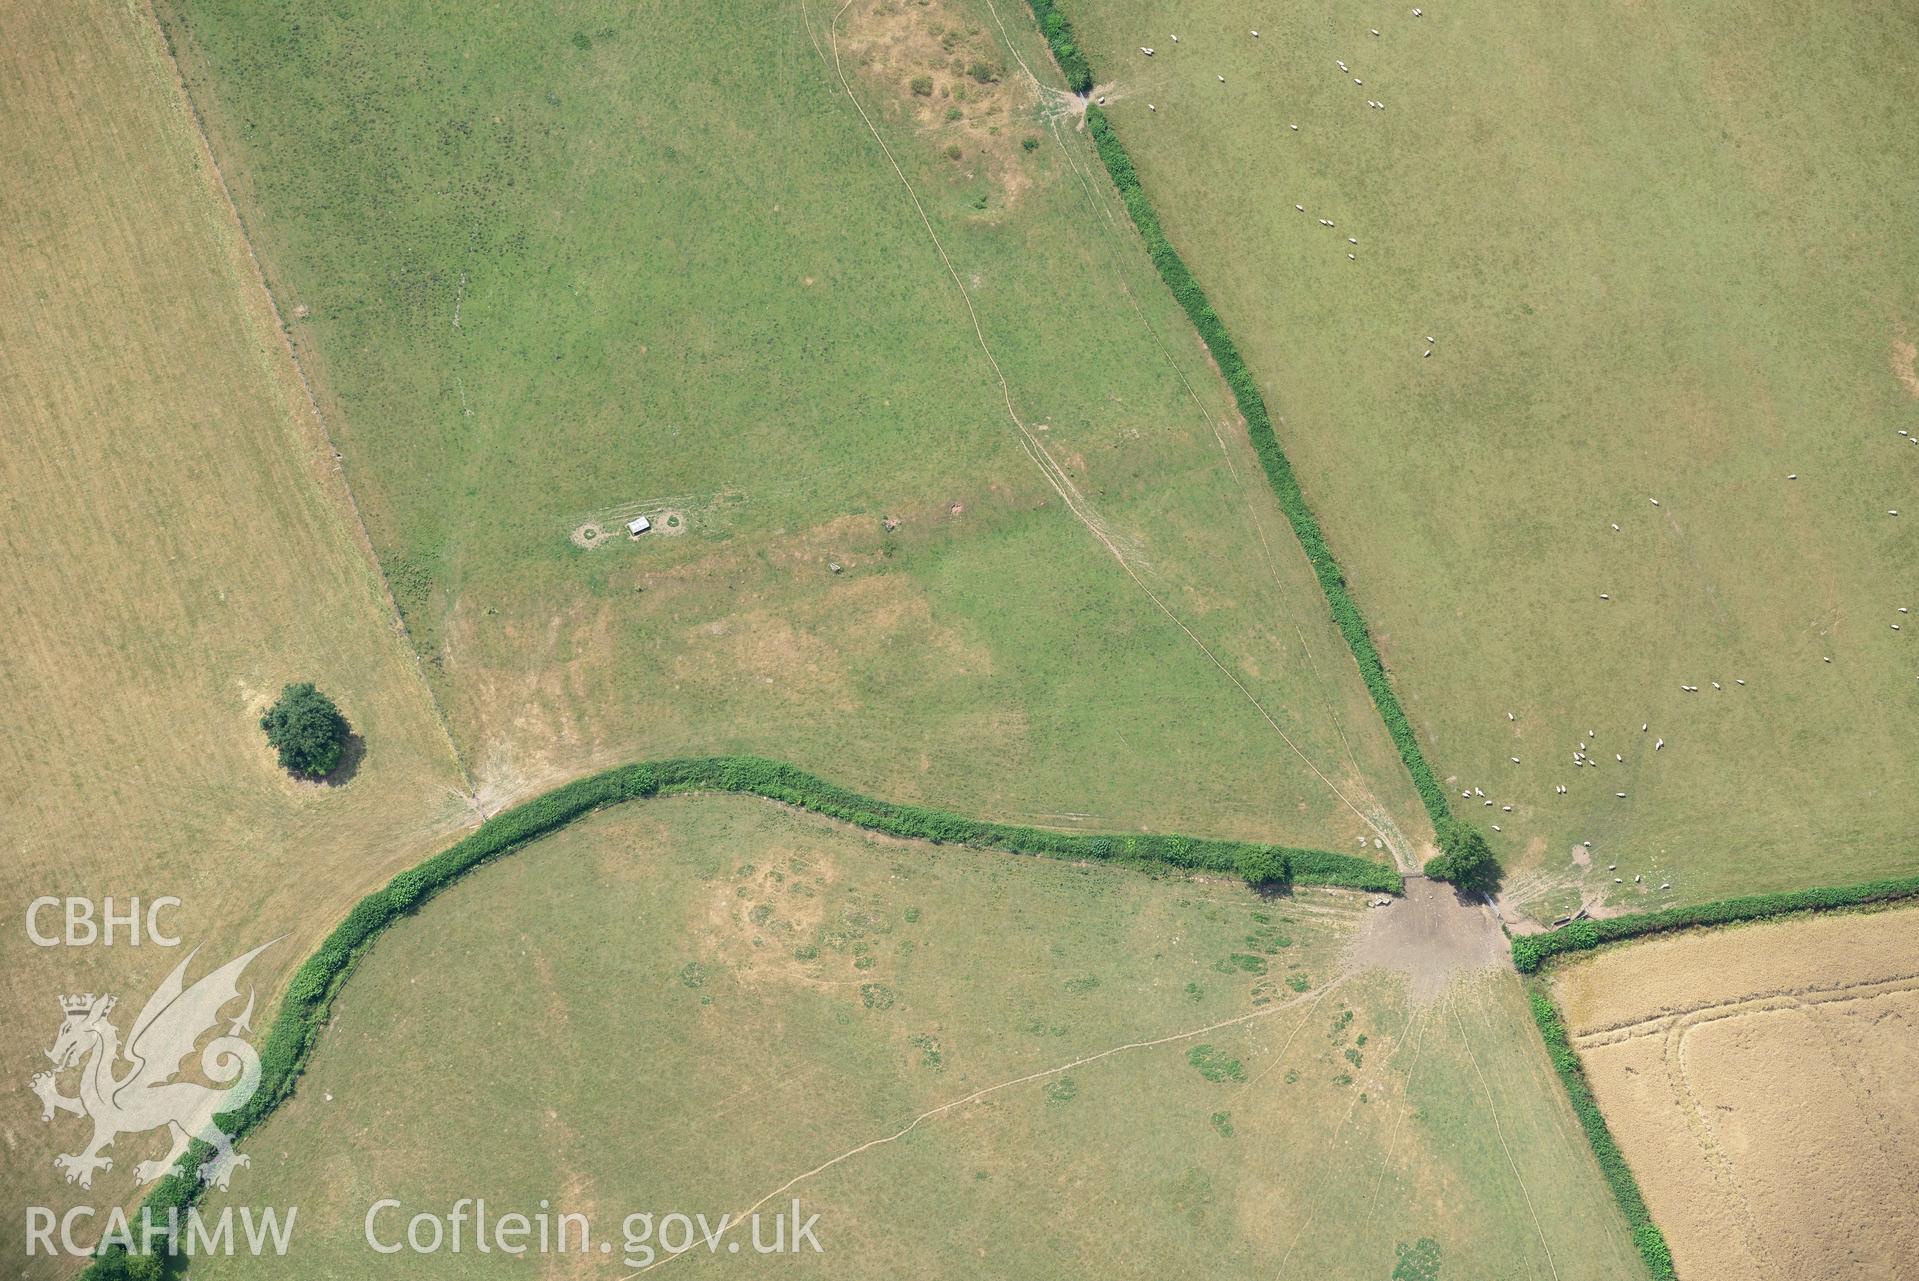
<point>1663,252</point>
<point>174,546</point>
<point>685,1004</point>
<point>555,267</point>
<point>1759,1080</point>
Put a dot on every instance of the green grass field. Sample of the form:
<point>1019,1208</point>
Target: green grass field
<point>1663,253</point>
<point>684,1004</point>
<point>556,266</point>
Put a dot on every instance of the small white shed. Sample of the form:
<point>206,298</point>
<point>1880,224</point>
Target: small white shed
<point>638,526</point>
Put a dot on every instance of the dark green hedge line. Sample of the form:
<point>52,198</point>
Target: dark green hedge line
<point>303,1012</point>
<point>1064,44</point>
<point>1531,951</point>
<point>1646,1236</point>
<point>1279,471</point>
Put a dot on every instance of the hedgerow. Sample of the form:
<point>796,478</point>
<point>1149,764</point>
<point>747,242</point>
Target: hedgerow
<point>309,998</point>
<point>1531,951</point>
<point>1279,472</point>
<point>1064,44</point>
<point>1646,1236</point>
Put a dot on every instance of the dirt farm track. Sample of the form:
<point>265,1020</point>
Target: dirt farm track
<point>1759,1081</point>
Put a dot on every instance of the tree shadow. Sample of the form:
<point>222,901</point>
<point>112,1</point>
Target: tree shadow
<point>352,752</point>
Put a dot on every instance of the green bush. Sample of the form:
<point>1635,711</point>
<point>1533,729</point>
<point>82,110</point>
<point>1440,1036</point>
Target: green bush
<point>1065,46</point>
<point>307,730</point>
<point>1531,951</point>
<point>1464,859</point>
<point>922,86</point>
<point>1279,472</point>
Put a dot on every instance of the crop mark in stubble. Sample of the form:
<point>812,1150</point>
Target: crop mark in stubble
<point>1809,994</point>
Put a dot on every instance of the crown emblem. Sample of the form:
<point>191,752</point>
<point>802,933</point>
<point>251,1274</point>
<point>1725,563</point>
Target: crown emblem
<point>78,1004</point>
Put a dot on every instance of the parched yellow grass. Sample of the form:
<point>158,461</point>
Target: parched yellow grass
<point>1759,1081</point>
<point>175,545</point>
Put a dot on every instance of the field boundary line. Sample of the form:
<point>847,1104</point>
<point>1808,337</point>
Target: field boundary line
<point>306,1006</point>
<point>1536,954</point>
<point>1186,290</point>
<point>1531,952</point>
<point>1057,476</point>
<point>362,536</point>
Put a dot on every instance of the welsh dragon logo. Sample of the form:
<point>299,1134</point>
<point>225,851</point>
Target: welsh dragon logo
<point>131,1089</point>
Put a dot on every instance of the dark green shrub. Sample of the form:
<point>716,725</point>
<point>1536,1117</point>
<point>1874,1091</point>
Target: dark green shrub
<point>1263,865</point>
<point>1066,52</point>
<point>307,730</point>
<point>1464,859</point>
<point>985,73</point>
<point>922,86</point>
<point>1029,142</point>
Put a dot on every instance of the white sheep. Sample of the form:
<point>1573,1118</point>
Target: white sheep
<point>1515,760</point>
<point>1659,745</point>
<point>1148,52</point>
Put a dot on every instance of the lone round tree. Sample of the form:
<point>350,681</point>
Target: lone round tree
<point>307,730</point>
<point>1464,859</point>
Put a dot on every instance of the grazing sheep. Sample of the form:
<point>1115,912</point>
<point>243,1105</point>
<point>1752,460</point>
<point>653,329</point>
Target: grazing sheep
<point>1655,502</point>
<point>1374,30</point>
<point>1644,727</point>
<point>1738,682</point>
<point>1301,208</point>
<point>1603,596</point>
<point>1659,745</point>
<point>1620,795</point>
<point>1829,658</point>
<point>1255,35</point>
<point>1666,886</point>
<point>1151,107</point>
<point>1148,52</point>
<point>1792,475</point>
<point>1515,760</point>
<point>1616,756</point>
<point>1295,128</point>
<point>1222,79</point>
<point>1511,717</point>
<point>1505,809</point>
<point>1352,257</point>
<point>1615,529</point>
<point>1495,827</point>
